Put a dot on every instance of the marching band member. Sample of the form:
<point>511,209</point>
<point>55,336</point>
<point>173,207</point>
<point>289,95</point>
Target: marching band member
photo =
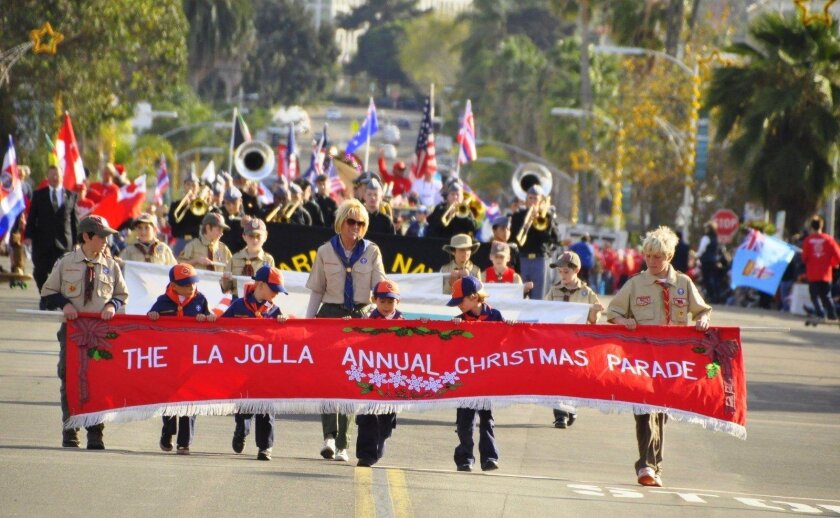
<point>251,258</point>
<point>659,295</point>
<point>258,302</point>
<point>570,288</point>
<point>234,217</point>
<point>446,219</point>
<point>285,209</point>
<point>184,229</point>
<point>147,248</point>
<point>85,280</point>
<point>460,247</point>
<point>535,243</point>
<point>344,272</point>
<point>379,222</point>
<point>325,202</point>
<point>207,252</point>
<point>250,196</point>
<point>308,202</point>
<point>182,299</point>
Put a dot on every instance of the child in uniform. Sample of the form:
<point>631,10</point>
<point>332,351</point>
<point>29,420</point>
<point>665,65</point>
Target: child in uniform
<point>206,252</point>
<point>147,248</point>
<point>570,288</point>
<point>499,271</point>
<point>460,247</point>
<point>86,280</point>
<point>258,302</point>
<point>249,259</point>
<point>182,299</point>
<point>469,295</point>
<point>658,296</point>
<point>374,429</point>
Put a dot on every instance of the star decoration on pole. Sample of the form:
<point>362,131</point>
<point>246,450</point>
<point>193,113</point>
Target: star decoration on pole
<point>808,17</point>
<point>45,39</point>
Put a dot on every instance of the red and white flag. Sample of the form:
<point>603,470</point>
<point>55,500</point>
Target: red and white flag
<point>425,149</point>
<point>466,137</point>
<point>69,158</point>
<point>118,206</point>
<point>162,183</point>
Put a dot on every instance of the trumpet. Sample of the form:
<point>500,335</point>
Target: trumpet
<point>198,206</point>
<point>282,213</point>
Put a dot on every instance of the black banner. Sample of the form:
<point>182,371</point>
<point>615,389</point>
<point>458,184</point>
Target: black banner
<point>294,247</point>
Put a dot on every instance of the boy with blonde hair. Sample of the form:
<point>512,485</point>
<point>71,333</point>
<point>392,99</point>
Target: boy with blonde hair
<point>661,296</point>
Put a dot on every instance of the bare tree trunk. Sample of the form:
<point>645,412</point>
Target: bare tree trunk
<point>674,28</point>
<point>585,81</point>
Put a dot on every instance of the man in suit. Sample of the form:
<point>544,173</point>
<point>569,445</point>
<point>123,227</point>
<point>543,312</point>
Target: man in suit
<point>51,225</point>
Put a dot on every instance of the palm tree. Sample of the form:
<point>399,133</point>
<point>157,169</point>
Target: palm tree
<point>779,108</point>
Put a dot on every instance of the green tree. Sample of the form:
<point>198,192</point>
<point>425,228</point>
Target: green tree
<point>780,109</point>
<point>290,63</point>
<point>378,12</point>
<point>114,54</point>
<point>430,52</point>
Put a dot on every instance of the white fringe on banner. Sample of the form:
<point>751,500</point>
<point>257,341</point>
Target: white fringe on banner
<point>354,406</point>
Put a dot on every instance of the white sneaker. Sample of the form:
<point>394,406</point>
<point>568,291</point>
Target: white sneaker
<point>647,477</point>
<point>342,455</point>
<point>328,451</point>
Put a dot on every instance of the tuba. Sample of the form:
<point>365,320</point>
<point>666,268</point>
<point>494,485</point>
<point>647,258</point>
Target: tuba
<point>529,174</point>
<point>254,160</point>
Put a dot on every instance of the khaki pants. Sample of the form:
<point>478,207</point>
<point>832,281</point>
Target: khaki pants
<point>650,437</point>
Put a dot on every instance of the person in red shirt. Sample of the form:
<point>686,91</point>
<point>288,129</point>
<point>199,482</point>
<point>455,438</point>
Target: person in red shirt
<point>821,254</point>
<point>397,176</point>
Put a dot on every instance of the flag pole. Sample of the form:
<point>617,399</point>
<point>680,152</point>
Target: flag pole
<point>232,134</point>
<point>460,144</point>
<point>367,141</point>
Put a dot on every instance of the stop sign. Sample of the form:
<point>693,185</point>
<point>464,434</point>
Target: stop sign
<point>727,225</point>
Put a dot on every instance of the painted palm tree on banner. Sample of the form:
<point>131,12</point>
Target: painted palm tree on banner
<point>780,109</point>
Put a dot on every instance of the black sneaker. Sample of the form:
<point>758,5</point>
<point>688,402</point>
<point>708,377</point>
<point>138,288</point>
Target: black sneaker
<point>464,467</point>
<point>166,442</point>
<point>490,465</point>
<point>561,422</point>
<point>366,463</point>
<point>238,443</point>
<point>571,420</point>
<point>69,439</point>
<point>183,450</point>
<point>264,454</point>
<point>95,444</point>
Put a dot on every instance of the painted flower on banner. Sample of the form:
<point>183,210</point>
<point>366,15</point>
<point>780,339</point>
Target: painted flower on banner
<point>354,374</point>
<point>449,378</point>
<point>433,385</point>
<point>415,383</point>
<point>397,379</point>
<point>377,378</point>
<point>400,386</point>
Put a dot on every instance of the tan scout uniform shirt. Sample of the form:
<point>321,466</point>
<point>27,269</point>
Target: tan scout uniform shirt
<point>68,279</point>
<point>583,294</point>
<point>450,266</point>
<point>198,248</point>
<point>236,266</point>
<point>641,299</point>
<point>159,253</point>
<point>328,275</point>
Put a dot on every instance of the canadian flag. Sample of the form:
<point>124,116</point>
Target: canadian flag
<point>120,205</point>
<point>67,153</point>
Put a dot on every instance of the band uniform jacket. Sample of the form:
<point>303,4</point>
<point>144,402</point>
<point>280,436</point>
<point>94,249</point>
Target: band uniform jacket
<point>315,213</point>
<point>155,252</point>
<point>328,207</point>
<point>189,227</point>
<point>66,283</point>
<point>380,224</point>
<point>457,225</point>
<point>538,243</point>
<point>641,299</point>
<point>580,293</point>
<point>450,267</point>
<point>237,263</point>
<point>198,247</point>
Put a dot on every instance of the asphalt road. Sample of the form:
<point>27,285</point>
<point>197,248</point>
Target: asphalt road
<point>790,462</point>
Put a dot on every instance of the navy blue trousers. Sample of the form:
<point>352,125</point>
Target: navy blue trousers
<point>264,433</point>
<point>182,425</point>
<point>465,426</point>
<point>373,431</point>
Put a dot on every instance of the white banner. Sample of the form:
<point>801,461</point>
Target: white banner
<point>421,295</point>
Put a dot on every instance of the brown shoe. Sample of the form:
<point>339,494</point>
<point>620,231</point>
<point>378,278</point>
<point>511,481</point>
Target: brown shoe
<point>647,477</point>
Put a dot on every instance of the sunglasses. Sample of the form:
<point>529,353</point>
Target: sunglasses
<point>354,222</point>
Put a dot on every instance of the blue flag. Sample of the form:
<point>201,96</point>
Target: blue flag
<point>368,128</point>
<point>760,262</point>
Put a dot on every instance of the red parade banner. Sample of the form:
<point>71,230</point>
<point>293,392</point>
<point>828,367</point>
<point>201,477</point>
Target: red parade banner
<point>131,368</point>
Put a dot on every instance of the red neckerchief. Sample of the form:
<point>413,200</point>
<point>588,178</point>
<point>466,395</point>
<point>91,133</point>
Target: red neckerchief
<point>174,297</point>
<point>257,308</point>
<point>507,276</point>
<point>147,250</point>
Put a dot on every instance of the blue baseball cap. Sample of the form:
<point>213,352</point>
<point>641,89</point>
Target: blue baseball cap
<point>271,276</point>
<point>183,274</point>
<point>464,287</point>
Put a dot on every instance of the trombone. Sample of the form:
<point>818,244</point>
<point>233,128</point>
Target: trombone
<point>198,206</point>
<point>282,213</point>
<point>470,206</point>
<point>537,217</point>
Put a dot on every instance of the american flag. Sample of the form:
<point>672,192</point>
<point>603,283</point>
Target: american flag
<point>291,155</point>
<point>162,183</point>
<point>335,184</point>
<point>425,148</point>
<point>466,137</point>
<point>12,202</point>
<point>316,160</point>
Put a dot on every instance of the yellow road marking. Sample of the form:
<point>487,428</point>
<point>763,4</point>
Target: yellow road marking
<point>364,493</point>
<point>398,489</point>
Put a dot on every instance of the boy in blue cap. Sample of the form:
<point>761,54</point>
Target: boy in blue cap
<point>374,429</point>
<point>258,302</point>
<point>469,295</point>
<point>182,299</point>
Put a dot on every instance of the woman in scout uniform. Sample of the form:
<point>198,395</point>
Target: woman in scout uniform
<point>85,280</point>
<point>251,258</point>
<point>375,429</point>
<point>206,252</point>
<point>345,270</point>
<point>570,288</point>
<point>257,302</point>
<point>147,248</point>
<point>182,299</point>
<point>658,296</point>
<point>460,247</point>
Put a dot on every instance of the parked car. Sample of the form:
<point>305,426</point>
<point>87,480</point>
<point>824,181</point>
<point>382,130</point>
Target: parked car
<point>333,113</point>
<point>403,123</point>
